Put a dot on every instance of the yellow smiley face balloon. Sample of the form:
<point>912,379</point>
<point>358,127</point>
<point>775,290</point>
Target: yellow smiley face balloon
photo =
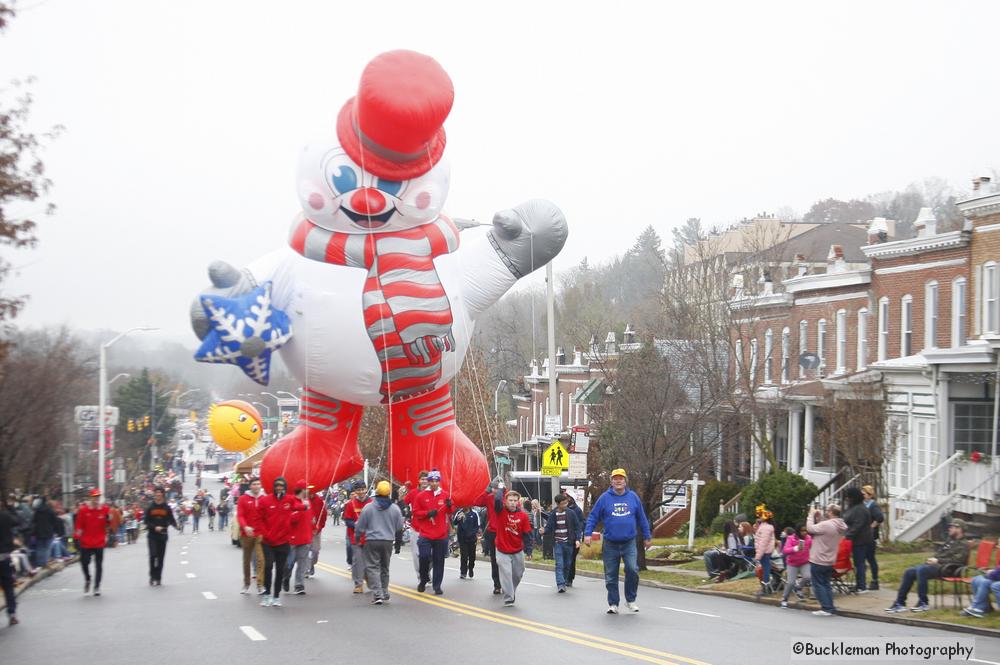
<point>235,425</point>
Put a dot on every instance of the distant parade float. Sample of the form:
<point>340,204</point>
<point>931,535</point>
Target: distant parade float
<point>235,425</point>
<point>374,299</point>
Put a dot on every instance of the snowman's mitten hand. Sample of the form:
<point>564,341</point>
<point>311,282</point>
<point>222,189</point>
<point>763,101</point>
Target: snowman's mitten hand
<point>228,282</point>
<point>529,235</point>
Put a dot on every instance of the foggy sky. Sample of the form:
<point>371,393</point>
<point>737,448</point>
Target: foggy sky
<point>184,119</point>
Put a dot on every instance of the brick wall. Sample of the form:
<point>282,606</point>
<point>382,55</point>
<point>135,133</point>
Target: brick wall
<point>985,248</point>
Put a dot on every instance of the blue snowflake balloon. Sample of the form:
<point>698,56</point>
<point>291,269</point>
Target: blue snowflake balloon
<point>245,332</point>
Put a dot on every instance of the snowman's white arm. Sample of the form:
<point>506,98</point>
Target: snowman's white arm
<point>275,266</point>
<point>485,276</point>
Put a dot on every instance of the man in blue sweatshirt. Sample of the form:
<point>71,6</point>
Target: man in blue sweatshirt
<point>620,511</point>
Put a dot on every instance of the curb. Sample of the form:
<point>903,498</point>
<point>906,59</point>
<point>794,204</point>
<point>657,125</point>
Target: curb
<point>44,574</point>
<point>918,623</point>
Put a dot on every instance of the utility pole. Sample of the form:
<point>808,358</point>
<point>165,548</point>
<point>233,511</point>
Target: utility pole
<point>550,296</point>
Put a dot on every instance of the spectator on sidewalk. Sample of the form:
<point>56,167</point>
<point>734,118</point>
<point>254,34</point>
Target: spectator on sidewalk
<point>877,519</point>
<point>620,511</point>
<point>378,524</point>
<point>827,530</point>
<point>44,525</point>
<point>982,586</point>
<point>796,550</point>
<point>91,533</point>
<point>764,546</point>
<point>859,531</point>
<point>949,557</point>
<point>8,526</point>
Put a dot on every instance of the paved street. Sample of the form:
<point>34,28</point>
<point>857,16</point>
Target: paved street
<point>198,616</point>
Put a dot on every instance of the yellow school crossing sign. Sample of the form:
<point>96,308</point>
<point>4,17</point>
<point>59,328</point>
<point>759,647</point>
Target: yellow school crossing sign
<point>555,460</point>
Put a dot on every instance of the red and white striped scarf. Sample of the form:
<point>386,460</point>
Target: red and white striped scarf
<point>407,312</point>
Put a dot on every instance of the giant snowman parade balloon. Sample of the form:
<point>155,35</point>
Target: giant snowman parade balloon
<point>374,298</point>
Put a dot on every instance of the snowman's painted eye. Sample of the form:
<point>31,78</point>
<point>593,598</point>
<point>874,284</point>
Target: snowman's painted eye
<point>390,187</point>
<point>243,417</point>
<point>344,179</point>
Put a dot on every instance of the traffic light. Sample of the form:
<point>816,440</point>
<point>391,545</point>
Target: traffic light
<point>145,421</point>
<point>131,425</point>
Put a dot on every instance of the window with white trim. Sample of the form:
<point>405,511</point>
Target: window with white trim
<point>803,343</point>
<point>753,363</point>
<point>973,426</point>
<point>906,327</point>
<point>738,369</point>
<point>786,353</point>
<point>958,322</point>
<point>842,341</point>
<point>768,354</point>
<point>821,344</point>
<point>991,292</point>
<point>862,338</point>
<point>930,314</point>
<point>883,328</point>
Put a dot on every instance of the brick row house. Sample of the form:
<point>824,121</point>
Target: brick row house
<point>915,329</point>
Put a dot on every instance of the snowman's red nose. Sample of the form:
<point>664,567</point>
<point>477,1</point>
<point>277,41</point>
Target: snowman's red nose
<point>367,201</point>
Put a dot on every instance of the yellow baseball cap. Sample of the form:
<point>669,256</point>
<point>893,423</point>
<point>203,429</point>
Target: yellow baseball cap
<point>383,488</point>
<point>619,472</point>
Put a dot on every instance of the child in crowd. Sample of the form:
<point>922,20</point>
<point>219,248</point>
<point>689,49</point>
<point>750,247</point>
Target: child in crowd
<point>796,552</point>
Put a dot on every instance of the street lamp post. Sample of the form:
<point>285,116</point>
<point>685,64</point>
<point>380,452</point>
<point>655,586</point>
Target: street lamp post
<point>103,402</point>
<point>285,392</point>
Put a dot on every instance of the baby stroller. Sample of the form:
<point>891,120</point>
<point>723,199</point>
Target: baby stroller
<point>737,565</point>
<point>776,581</point>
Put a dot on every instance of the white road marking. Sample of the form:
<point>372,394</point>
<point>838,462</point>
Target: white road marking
<point>252,633</point>
<point>190,576</point>
<point>322,621</point>
<point>544,586</point>
<point>450,568</point>
<point>988,662</point>
<point>184,563</point>
<point>703,614</point>
<point>209,595</point>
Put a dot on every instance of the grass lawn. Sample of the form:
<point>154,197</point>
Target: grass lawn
<point>991,620</point>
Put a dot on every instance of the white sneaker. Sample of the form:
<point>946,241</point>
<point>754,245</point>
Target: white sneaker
<point>245,589</point>
<point>612,609</point>
<point>265,601</point>
<point>632,607</point>
<point>822,613</point>
<point>276,602</point>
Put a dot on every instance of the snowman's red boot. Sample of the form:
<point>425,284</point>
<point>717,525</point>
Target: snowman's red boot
<point>322,449</point>
<point>424,436</point>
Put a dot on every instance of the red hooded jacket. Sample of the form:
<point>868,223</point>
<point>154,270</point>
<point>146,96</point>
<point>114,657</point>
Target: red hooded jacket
<point>91,530</point>
<point>351,512</point>
<point>276,517</point>
<point>317,508</point>
<point>432,528</point>
<point>302,526</point>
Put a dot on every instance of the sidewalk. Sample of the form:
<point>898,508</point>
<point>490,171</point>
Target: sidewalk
<point>23,584</point>
<point>870,605</point>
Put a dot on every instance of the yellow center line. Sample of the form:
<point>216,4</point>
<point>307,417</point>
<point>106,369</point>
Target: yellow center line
<point>577,637</point>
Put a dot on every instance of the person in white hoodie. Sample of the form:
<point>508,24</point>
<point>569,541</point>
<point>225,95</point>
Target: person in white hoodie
<point>827,530</point>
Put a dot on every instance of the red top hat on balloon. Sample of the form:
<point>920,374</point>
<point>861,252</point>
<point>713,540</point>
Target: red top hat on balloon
<point>393,127</point>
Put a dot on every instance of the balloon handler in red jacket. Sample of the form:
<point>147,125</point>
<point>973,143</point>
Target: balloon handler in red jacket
<point>276,510</point>
<point>91,533</point>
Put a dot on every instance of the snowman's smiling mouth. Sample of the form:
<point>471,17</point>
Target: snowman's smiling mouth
<point>369,221</point>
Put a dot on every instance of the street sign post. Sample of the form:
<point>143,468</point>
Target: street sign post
<point>553,425</point>
<point>577,465</point>
<point>555,460</point>
<point>87,416</point>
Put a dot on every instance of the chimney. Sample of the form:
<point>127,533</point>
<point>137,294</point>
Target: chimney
<point>764,285</point>
<point>628,337</point>
<point>737,287</point>
<point>577,356</point>
<point>878,230</point>
<point>594,348</point>
<point>926,223</point>
<point>981,185</point>
<point>560,356</point>
<point>835,259</point>
<point>534,368</point>
<point>545,367</point>
<point>609,344</point>
<point>801,266</point>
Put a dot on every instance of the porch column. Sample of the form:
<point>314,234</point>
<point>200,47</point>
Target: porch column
<point>794,439</point>
<point>769,433</point>
<point>807,462</point>
<point>754,450</point>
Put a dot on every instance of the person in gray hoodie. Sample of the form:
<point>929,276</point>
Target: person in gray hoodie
<point>379,522</point>
<point>827,530</point>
